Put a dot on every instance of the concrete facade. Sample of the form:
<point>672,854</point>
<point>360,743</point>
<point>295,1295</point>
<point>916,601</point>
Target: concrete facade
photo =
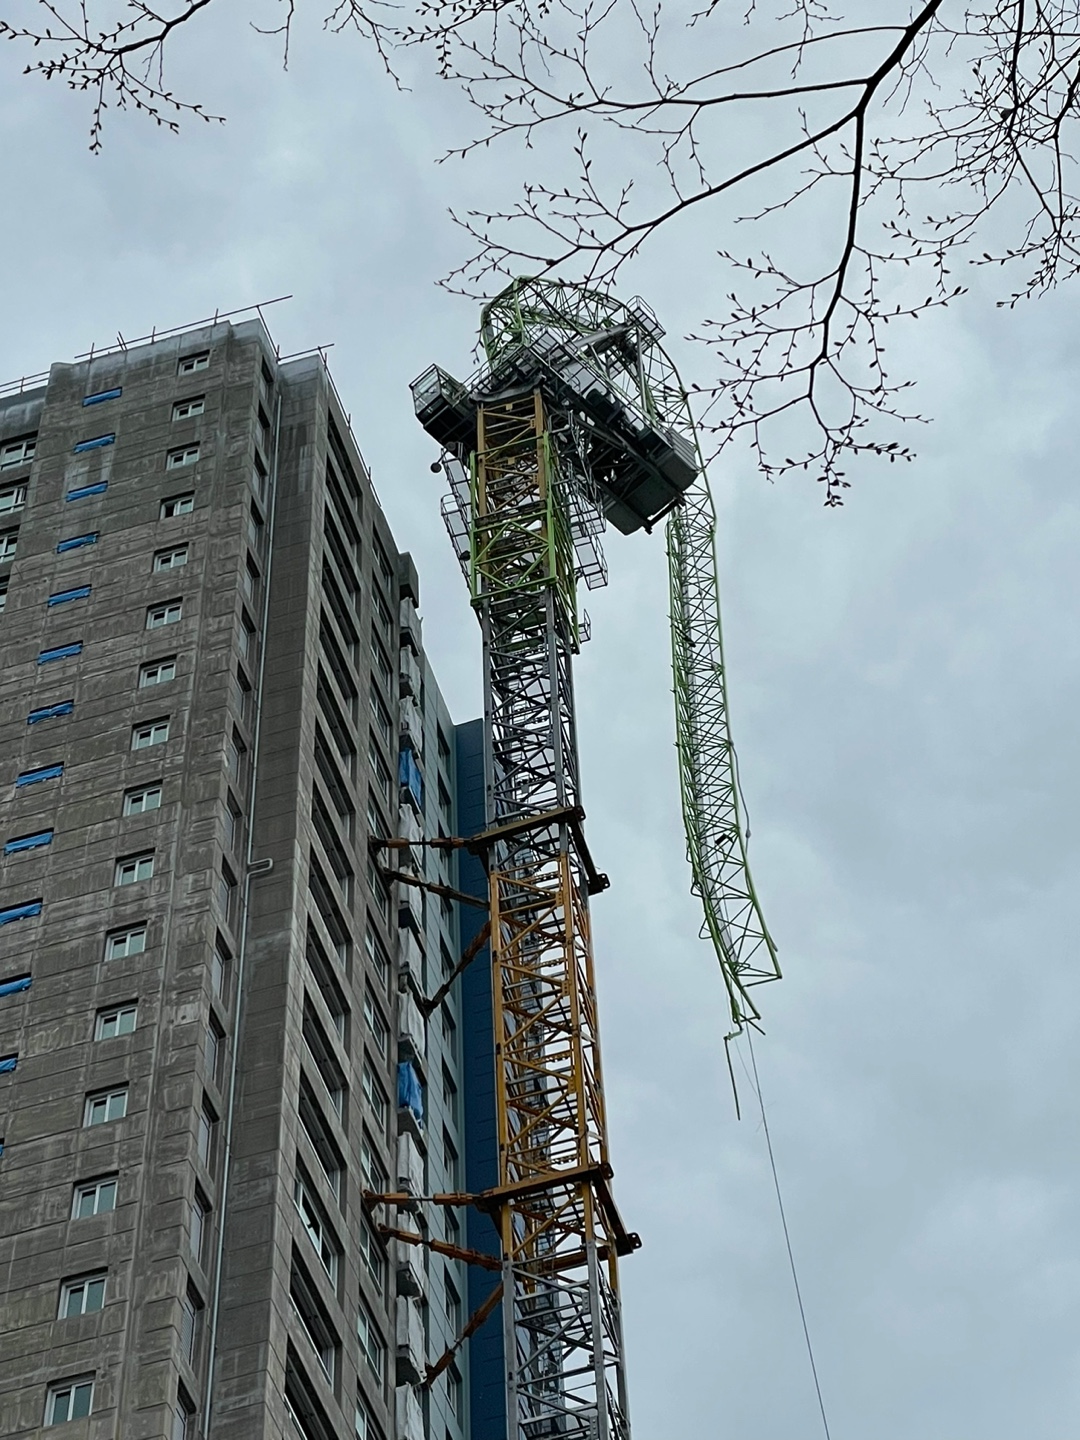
<point>213,695</point>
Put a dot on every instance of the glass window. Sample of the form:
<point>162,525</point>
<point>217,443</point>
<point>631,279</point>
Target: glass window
<point>17,452</point>
<point>3,594</point>
<point>117,1020</point>
<point>171,559</point>
<point>157,672</point>
<point>167,613</point>
<point>183,1423</point>
<point>122,943</point>
<point>69,1400</point>
<point>190,1325</point>
<point>375,1096</point>
<point>186,409</point>
<point>106,1105</point>
<point>219,969</point>
<point>214,1038</point>
<point>207,1134</point>
<point>188,364</point>
<point>133,868</point>
<point>365,1423</point>
<point>371,1342</point>
<point>374,1255</point>
<point>177,505</point>
<point>154,732</point>
<point>82,1296</point>
<point>316,1227</point>
<point>138,802</point>
<point>197,1226</point>
<point>376,1025</point>
<point>94,1197</point>
<point>9,543</point>
<point>12,497</point>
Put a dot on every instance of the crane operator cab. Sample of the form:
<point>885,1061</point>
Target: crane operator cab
<point>638,467</point>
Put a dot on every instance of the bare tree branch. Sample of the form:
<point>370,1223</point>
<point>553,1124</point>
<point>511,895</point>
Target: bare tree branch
<point>870,143</point>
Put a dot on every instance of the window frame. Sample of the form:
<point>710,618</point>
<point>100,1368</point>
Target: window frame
<point>92,1285</point>
<point>148,668</point>
<point>167,559</point>
<point>164,612</point>
<point>182,505</point>
<point>108,1096</point>
<point>119,1014</point>
<point>185,409</point>
<point>84,1188</point>
<point>125,935</point>
<point>142,793</point>
<point>151,728</point>
<point>69,1389</point>
<point>139,873</point>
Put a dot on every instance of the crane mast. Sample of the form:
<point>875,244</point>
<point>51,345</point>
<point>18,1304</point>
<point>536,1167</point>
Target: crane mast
<point>576,420</point>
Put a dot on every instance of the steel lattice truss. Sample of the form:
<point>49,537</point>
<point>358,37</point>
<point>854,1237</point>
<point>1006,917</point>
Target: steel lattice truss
<point>577,417</point>
<point>562,1329</point>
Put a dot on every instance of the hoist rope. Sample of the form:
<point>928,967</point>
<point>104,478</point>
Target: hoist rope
<point>787,1234</point>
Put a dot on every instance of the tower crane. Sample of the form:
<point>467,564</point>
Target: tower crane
<point>576,420</point>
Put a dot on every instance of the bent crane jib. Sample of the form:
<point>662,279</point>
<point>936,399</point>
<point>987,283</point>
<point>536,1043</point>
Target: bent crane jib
<point>576,418</point>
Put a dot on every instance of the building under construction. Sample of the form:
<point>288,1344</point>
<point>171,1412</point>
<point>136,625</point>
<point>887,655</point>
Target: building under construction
<point>301,1092</point>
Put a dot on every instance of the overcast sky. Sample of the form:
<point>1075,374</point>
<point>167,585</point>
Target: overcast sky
<point>905,679</point>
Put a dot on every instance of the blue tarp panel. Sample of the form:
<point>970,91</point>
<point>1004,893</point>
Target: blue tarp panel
<point>76,541</point>
<point>61,597</point>
<point>29,842</point>
<point>95,444</point>
<point>410,1093</point>
<point>409,775</point>
<point>15,987</point>
<point>26,911</point>
<point>43,772</point>
<point>51,712</point>
<point>103,395</point>
<point>60,652</point>
<point>84,490</point>
<point>8,1063</point>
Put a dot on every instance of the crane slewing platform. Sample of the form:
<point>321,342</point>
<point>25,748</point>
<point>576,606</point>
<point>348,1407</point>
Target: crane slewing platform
<point>576,420</point>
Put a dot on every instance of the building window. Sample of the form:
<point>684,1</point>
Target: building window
<point>94,1197</point>
<point>138,802</point>
<point>455,1392</point>
<point>375,1096</point>
<point>219,969</point>
<point>157,672</point>
<point>183,1424</point>
<point>227,892</point>
<point>247,638</point>
<point>133,868</point>
<point>377,1027</point>
<point>12,497</point>
<point>371,1342</point>
<point>214,1039</point>
<point>258,478</point>
<point>197,1226</point>
<point>371,1169</point>
<point>83,1296</point>
<point>167,613</point>
<point>171,559</point>
<point>177,505</point>
<point>3,594</point>
<point>105,1105</point>
<point>374,1255</point>
<point>241,693</point>
<point>380,717</point>
<point>17,452</point>
<point>364,1425</point>
<point>100,396</point>
<point>122,943</point>
<point>153,732</point>
<point>69,1400</point>
<point>191,1310</point>
<point>187,409</point>
<point>9,543</point>
<point>452,1302</point>
<point>255,530</point>
<point>188,364</point>
<point>117,1020</point>
<point>235,757</point>
<point>207,1134</point>
<point>316,1226</point>
<point>376,951</point>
